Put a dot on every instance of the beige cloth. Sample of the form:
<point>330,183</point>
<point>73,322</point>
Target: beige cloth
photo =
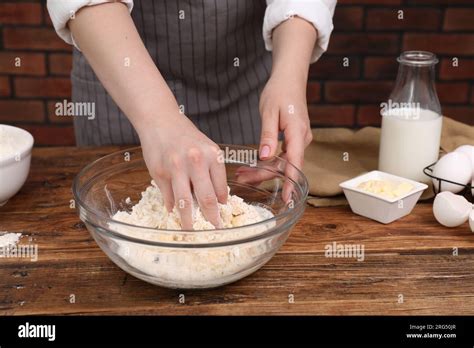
<point>338,154</point>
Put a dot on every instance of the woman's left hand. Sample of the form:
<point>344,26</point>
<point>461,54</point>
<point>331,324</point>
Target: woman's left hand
<point>283,108</point>
<point>283,101</point>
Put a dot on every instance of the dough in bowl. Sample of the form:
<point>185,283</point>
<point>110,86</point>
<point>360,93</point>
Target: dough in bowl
<point>183,267</point>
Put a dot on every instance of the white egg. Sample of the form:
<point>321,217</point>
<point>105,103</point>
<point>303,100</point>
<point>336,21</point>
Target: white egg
<point>469,151</point>
<point>451,210</point>
<point>456,167</point>
<point>471,221</point>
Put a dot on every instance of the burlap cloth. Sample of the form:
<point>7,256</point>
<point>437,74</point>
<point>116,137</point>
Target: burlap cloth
<point>338,154</point>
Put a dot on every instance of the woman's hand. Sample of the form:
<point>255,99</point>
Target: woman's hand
<point>177,155</point>
<point>181,159</point>
<point>283,108</point>
<point>283,101</point>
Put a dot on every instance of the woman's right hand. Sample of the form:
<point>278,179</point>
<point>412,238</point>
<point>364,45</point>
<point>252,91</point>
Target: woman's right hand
<point>183,160</point>
<point>178,156</point>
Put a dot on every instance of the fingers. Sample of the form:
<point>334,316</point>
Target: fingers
<point>184,201</point>
<point>269,135</point>
<point>295,146</point>
<point>167,193</point>
<point>206,197</point>
<point>253,176</point>
<point>219,181</point>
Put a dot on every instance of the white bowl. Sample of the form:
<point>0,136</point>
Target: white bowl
<point>14,168</point>
<point>375,207</point>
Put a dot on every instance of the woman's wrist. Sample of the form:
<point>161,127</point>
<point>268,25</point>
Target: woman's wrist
<point>154,111</point>
<point>291,76</point>
<point>156,121</point>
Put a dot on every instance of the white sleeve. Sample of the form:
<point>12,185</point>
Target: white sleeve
<point>61,11</point>
<point>317,12</point>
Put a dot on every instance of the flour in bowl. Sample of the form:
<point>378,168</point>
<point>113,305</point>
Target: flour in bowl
<point>150,211</point>
<point>196,267</point>
<point>9,144</point>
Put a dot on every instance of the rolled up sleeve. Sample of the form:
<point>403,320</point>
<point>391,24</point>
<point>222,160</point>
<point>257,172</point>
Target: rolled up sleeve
<point>317,12</point>
<point>62,11</point>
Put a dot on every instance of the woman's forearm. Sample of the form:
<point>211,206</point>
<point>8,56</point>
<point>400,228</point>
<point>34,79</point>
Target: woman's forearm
<point>109,40</point>
<point>283,104</point>
<point>293,42</point>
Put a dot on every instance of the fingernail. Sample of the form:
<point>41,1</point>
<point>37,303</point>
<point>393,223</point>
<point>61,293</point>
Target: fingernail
<point>265,151</point>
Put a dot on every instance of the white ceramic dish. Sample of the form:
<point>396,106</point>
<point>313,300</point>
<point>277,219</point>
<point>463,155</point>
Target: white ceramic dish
<point>14,168</point>
<point>375,207</point>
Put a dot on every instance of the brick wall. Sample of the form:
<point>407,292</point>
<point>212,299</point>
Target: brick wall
<point>371,35</point>
<point>28,91</point>
<point>367,32</point>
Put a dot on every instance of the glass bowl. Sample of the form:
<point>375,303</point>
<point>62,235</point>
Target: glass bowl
<point>190,259</point>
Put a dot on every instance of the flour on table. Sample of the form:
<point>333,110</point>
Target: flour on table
<point>183,267</point>
<point>8,239</point>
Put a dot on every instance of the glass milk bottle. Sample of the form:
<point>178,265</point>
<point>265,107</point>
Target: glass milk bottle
<point>411,119</point>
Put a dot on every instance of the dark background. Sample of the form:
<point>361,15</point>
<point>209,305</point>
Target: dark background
<point>368,32</point>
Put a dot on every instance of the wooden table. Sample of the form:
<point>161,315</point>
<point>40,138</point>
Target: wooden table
<point>409,266</point>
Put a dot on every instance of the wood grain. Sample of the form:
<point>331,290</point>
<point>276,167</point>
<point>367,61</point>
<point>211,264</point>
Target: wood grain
<point>412,257</point>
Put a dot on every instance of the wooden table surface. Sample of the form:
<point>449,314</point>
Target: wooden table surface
<point>409,266</point>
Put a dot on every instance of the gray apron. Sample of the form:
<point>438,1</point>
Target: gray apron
<point>197,56</point>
